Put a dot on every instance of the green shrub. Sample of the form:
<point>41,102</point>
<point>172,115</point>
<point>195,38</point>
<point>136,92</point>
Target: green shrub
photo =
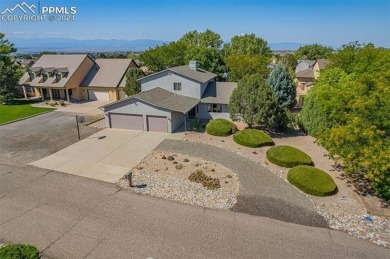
<point>208,182</point>
<point>252,138</point>
<point>312,180</point>
<point>288,156</point>
<point>220,127</point>
<point>19,252</point>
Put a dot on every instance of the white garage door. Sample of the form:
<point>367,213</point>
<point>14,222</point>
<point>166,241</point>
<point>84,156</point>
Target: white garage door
<point>126,121</point>
<point>157,123</point>
<point>95,95</point>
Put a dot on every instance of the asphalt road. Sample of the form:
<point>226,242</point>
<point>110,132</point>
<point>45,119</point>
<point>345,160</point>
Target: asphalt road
<point>68,216</point>
<point>29,140</point>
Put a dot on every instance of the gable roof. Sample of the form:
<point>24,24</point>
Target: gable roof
<point>309,62</point>
<point>322,63</point>
<point>107,73</point>
<point>199,75</point>
<point>307,73</point>
<point>163,99</point>
<point>218,92</point>
<point>49,63</point>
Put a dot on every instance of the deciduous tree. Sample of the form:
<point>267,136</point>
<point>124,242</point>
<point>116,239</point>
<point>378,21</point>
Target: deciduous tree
<point>247,44</point>
<point>313,52</point>
<point>240,65</point>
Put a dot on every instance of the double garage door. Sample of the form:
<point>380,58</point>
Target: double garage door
<point>136,122</point>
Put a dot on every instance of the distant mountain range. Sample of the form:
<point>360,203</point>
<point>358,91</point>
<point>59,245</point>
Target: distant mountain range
<point>34,45</point>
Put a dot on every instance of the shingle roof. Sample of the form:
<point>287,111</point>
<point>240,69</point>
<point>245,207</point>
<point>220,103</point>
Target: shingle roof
<point>309,62</point>
<point>199,75</point>
<point>163,99</point>
<point>72,62</point>
<point>307,73</point>
<point>107,73</point>
<point>218,92</point>
<point>322,63</point>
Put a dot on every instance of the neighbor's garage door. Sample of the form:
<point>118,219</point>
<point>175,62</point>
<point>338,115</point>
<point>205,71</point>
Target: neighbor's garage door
<point>157,123</point>
<point>95,95</point>
<point>126,121</point>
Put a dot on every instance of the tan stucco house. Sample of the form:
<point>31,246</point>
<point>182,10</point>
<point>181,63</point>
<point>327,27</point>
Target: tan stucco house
<point>305,73</point>
<point>76,77</point>
<point>169,97</point>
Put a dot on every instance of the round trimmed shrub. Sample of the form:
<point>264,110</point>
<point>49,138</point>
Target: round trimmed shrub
<point>19,251</point>
<point>288,156</point>
<point>252,138</point>
<point>312,180</point>
<point>220,127</point>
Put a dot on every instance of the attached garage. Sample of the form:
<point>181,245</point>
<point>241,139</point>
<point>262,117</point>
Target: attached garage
<point>126,121</point>
<point>96,95</point>
<point>157,123</point>
<point>154,110</point>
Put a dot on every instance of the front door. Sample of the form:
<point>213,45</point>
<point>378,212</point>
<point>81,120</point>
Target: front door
<point>192,113</point>
<point>56,93</point>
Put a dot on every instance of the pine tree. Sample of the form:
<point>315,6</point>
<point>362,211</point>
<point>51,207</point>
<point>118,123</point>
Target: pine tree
<point>133,86</point>
<point>283,86</point>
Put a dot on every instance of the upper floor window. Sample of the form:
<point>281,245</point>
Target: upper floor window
<point>58,77</point>
<point>32,75</point>
<point>44,76</point>
<point>214,108</point>
<point>177,86</point>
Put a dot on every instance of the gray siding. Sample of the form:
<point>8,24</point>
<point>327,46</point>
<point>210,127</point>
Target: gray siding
<point>134,106</point>
<point>166,79</point>
<point>177,120</point>
<point>204,114</point>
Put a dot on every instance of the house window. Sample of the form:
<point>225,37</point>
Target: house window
<point>177,86</point>
<point>58,77</point>
<point>56,93</point>
<point>32,76</point>
<point>214,108</point>
<point>44,76</point>
<point>29,90</point>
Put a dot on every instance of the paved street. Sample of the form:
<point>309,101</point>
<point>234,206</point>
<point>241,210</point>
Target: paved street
<point>68,216</point>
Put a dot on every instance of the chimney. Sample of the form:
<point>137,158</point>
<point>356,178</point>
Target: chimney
<point>193,65</point>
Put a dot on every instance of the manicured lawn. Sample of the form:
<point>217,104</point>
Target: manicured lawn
<point>19,251</point>
<point>219,127</point>
<point>18,111</point>
<point>288,156</point>
<point>252,138</point>
<point>312,180</point>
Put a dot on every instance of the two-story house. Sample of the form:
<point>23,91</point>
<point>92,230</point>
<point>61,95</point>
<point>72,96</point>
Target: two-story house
<point>306,72</point>
<point>169,97</point>
<point>76,77</point>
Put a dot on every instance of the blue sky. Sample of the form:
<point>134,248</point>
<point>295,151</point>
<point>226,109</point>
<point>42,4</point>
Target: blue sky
<point>331,22</point>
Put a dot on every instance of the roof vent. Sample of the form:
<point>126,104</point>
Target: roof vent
<point>193,65</point>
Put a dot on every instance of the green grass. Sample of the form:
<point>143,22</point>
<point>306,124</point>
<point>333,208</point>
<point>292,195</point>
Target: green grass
<point>219,127</point>
<point>288,156</point>
<point>12,112</point>
<point>19,252</point>
<point>312,180</point>
<point>252,138</point>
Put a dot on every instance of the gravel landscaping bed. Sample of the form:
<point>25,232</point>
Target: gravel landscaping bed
<point>165,175</point>
<point>344,211</point>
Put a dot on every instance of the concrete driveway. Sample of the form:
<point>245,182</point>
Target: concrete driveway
<point>81,107</point>
<point>106,159</point>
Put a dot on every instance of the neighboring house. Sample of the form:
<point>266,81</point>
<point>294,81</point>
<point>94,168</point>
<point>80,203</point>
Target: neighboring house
<point>169,97</point>
<point>76,77</point>
<point>306,72</point>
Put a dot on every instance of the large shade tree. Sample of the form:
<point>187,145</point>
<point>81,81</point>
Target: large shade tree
<point>313,52</point>
<point>9,71</point>
<point>240,65</point>
<point>247,44</point>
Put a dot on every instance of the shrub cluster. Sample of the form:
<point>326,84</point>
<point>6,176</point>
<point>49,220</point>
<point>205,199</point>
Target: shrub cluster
<point>252,138</point>
<point>220,127</point>
<point>288,156</point>
<point>208,182</point>
<point>19,252</point>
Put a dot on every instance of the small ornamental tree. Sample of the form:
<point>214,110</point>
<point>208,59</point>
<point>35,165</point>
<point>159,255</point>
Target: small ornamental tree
<point>254,102</point>
<point>133,86</point>
<point>284,88</point>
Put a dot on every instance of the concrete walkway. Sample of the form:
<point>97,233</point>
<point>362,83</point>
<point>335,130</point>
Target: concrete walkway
<point>106,159</point>
<point>261,192</point>
<point>67,216</point>
<point>81,107</point>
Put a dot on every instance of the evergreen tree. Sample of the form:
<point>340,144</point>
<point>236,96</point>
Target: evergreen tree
<point>133,86</point>
<point>283,86</point>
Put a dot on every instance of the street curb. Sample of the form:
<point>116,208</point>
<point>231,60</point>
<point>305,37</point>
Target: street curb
<point>9,122</point>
